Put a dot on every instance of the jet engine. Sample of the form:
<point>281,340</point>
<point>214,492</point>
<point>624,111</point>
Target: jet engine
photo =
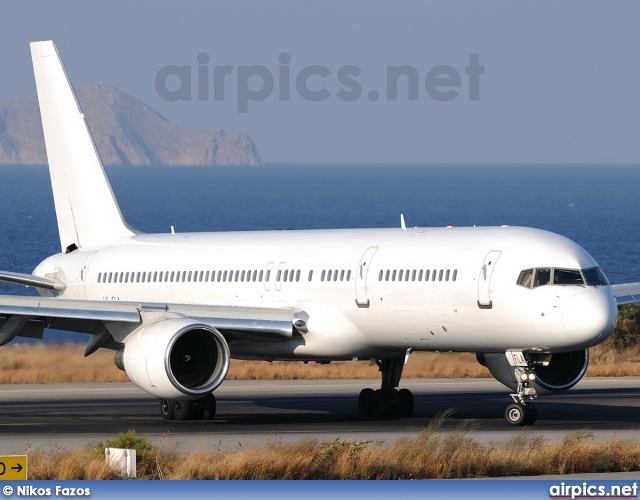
<point>175,359</point>
<point>554,373</point>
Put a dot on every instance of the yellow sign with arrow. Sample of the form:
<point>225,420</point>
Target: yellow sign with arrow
<point>13,468</point>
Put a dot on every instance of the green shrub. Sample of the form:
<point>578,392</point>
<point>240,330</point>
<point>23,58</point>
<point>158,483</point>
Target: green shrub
<point>627,332</point>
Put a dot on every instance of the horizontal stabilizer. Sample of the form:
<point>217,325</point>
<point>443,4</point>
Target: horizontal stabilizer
<point>32,280</point>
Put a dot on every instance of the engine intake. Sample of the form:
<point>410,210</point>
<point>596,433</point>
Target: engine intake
<point>564,370</point>
<point>175,358</point>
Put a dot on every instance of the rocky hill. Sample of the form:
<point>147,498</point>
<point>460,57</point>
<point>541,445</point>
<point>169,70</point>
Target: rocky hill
<point>126,132</point>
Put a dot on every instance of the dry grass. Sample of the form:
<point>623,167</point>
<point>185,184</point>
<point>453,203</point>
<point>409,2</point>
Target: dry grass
<point>427,456</point>
<point>42,363</point>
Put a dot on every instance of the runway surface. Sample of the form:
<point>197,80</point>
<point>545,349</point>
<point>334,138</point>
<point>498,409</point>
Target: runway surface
<point>251,413</point>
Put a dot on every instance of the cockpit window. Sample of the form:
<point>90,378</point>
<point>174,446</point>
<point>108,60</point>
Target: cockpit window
<point>525,278</point>
<point>567,277</point>
<point>595,277</point>
<point>543,277</point>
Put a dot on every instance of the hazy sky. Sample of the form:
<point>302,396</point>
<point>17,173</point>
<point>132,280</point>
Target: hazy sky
<point>560,82</point>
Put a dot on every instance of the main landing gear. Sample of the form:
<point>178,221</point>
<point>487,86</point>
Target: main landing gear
<point>521,411</point>
<point>198,409</point>
<point>387,401</point>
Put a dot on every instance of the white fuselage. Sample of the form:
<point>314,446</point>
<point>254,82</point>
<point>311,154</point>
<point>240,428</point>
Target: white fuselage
<point>365,290</point>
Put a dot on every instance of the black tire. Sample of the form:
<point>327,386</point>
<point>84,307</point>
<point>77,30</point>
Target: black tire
<point>166,409</point>
<point>381,404</point>
<point>517,414</point>
<point>406,404</point>
<point>532,413</point>
<point>182,410</point>
<point>365,402</point>
<point>209,406</point>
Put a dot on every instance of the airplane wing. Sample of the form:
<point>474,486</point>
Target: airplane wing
<point>29,316</point>
<point>626,293</point>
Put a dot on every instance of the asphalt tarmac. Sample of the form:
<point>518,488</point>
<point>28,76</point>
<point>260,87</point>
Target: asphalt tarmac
<point>253,413</point>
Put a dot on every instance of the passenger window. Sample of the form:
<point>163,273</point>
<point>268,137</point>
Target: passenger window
<point>342,275</point>
<point>455,275</point>
<point>413,275</point>
<point>446,276</point>
<point>543,277</point>
<point>420,275</point>
<point>400,275</point>
<point>279,275</point>
<point>255,274</point>
<point>99,276</point>
<point>386,276</point>
<point>310,274</point>
<point>267,277</point>
<point>322,275</point>
<point>567,277</point>
<point>440,275</point>
<point>298,275</point>
<point>110,275</point>
<point>349,275</point>
<point>335,275</point>
<point>393,276</point>
<point>224,276</point>
<point>380,274</point>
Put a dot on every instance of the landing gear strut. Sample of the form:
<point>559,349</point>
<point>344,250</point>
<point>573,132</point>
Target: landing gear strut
<point>198,409</point>
<point>521,411</point>
<point>387,401</point>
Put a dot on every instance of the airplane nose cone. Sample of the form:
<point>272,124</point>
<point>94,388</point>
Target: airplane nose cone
<point>590,316</point>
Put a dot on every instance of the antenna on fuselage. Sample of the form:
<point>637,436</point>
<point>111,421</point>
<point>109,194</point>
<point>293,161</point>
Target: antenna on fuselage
<point>403,226</point>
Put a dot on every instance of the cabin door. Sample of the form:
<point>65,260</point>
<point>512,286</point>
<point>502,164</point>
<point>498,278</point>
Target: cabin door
<point>83,276</point>
<point>484,279</point>
<point>361,277</point>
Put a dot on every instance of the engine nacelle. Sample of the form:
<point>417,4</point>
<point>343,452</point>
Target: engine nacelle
<point>175,359</point>
<point>563,371</point>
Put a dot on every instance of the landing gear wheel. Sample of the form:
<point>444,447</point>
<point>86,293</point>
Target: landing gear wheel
<point>405,400</point>
<point>209,406</point>
<point>532,413</point>
<point>166,409</point>
<point>381,404</point>
<point>182,410</point>
<point>520,414</point>
<point>365,402</point>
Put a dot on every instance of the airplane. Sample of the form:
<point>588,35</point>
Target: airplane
<point>176,308</point>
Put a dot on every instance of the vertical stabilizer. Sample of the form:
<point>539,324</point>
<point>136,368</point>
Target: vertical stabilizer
<point>87,211</point>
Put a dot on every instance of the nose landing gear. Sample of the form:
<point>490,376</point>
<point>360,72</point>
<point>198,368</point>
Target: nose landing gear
<point>521,411</point>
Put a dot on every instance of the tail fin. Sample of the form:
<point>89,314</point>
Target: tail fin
<point>87,211</point>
